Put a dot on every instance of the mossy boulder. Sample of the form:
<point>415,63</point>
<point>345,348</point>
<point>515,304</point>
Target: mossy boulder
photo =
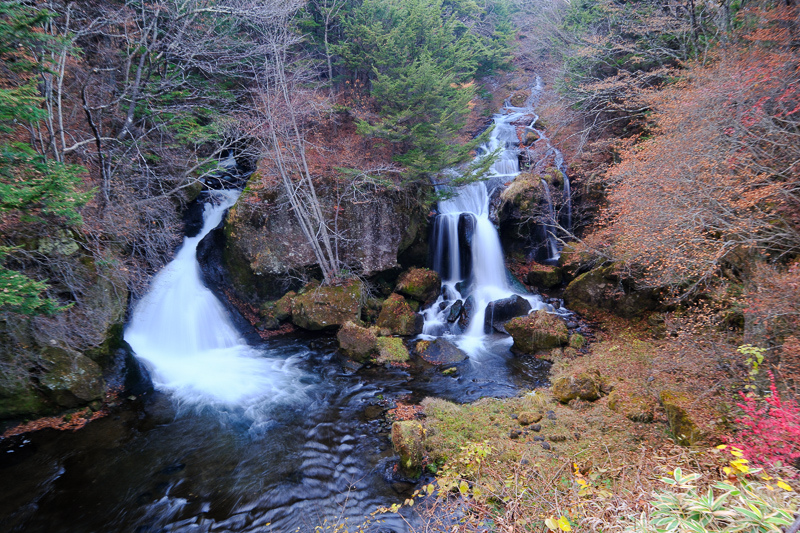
<point>583,386</point>
<point>420,284</point>
<point>605,288</point>
<point>685,429</point>
<point>408,438</point>
<point>18,398</point>
<point>633,406</point>
<point>356,342</point>
<point>277,311</point>
<point>321,307</point>
<point>440,352</point>
<point>398,317</point>
<point>544,277</point>
<point>577,341</point>
<point>392,350</point>
<point>536,332</point>
<point>71,379</point>
<point>499,312</point>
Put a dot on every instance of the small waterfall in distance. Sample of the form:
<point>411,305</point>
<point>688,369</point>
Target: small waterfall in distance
<point>466,246</point>
<point>183,334</point>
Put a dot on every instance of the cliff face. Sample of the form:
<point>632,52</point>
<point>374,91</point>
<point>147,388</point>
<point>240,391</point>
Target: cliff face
<point>266,251</point>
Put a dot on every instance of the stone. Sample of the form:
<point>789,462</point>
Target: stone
<point>420,284</point>
<point>537,331</point>
<point>605,288</point>
<point>500,311</point>
<point>544,277</point>
<point>356,342</point>
<point>536,427</point>
<point>466,312</point>
<point>398,317</point>
<point>583,386</point>
<point>577,341</point>
<point>455,311</point>
<point>527,418</point>
<point>633,406</point>
<point>514,434</point>
<point>408,442</point>
<point>685,429</point>
<point>71,379</point>
<point>392,350</point>
<point>323,307</point>
<point>441,352</point>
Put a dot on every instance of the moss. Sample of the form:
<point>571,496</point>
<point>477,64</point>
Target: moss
<point>356,342</point>
<point>537,331</point>
<point>684,429</point>
<point>397,316</point>
<point>327,307</point>
<point>583,386</point>
<point>407,440</point>
<point>633,406</point>
<point>392,350</point>
<point>577,341</point>
<point>421,284</point>
<point>545,277</point>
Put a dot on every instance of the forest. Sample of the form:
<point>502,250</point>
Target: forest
<point>492,265</point>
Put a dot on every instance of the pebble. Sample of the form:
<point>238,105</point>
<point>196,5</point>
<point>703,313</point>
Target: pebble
<point>515,433</point>
<point>538,438</point>
<point>546,445</point>
<point>551,415</point>
<point>536,427</point>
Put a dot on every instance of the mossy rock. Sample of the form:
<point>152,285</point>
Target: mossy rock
<point>582,386</point>
<point>356,342</point>
<point>577,341</point>
<point>392,350</point>
<point>408,442</point>
<point>327,307</point>
<point>537,331</point>
<point>685,430</point>
<point>604,288</point>
<point>530,138</point>
<point>421,284</point>
<point>633,406</point>
<point>440,352</point>
<point>71,379</point>
<point>398,317</point>
<point>19,398</point>
<point>544,277</point>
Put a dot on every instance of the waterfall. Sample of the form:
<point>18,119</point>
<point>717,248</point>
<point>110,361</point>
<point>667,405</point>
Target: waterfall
<point>552,243</point>
<point>463,221</point>
<point>183,334</point>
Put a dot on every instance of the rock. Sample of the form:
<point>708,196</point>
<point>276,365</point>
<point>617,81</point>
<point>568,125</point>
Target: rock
<point>407,440</point>
<point>500,311</point>
<point>71,379</point>
<point>577,341</point>
<point>514,434</point>
<point>537,331</point>
<point>583,386</point>
<point>466,312</point>
<point>357,343</point>
<point>530,138</point>
<point>441,352</point>
<point>605,288</point>
<point>320,307</point>
<point>398,317</point>
<point>684,428</point>
<point>536,427</point>
<point>420,284</point>
<point>392,350</point>
<point>546,445</point>
<point>544,277</point>
<point>527,418</point>
<point>455,311</point>
<point>634,407</point>
<point>18,397</point>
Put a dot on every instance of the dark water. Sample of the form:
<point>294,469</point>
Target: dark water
<point>316,456</point>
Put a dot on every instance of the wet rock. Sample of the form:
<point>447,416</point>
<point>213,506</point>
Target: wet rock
<point>420,284</point>
<point>398,317</point>
<point>440,352</point>
<point>455,311</point>
<point>500,311</point>
<point>685,429</point>
<point>527,418</point>
<point>392,350</point>
<point>467,311</point>
<point>407,440</point>
<point>584,386</point>
<point>373,412</point>
<point>320,307</point>
<point>537,331</point>
<point>72,379</point>
<point>356,342</point>
<point>633,406</point>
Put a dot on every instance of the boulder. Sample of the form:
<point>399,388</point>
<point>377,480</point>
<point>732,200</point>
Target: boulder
<point>392,350</point>
<point>685,430</point>
<point>577,341</point>
<point>320,307</point>
<point>440,352</point>
<point>420,284</point>
<point>455,311</point>
<point>633,406</point>
<point>71,379</point>
<point>537,331</point>
<point>19,398</point>
<point>501,311</point>
<point>604,288</point>
<point>277,311</point>
<point>357,343</point>
<point>582,386</point>
<point>408,442</point>
<point>467,311</point>
<point>544,277</point>
<point>398,317</point>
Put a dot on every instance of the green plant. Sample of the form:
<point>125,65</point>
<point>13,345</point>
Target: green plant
<point>754,360</point>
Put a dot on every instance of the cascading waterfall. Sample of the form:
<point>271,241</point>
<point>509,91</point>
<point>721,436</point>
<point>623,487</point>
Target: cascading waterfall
<point>463,222</point>
<point>550,228</point>
<point>183,333</point>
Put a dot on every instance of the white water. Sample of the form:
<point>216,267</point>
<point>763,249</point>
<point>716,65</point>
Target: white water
<point>182,332</point>
<point>488,280</point>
